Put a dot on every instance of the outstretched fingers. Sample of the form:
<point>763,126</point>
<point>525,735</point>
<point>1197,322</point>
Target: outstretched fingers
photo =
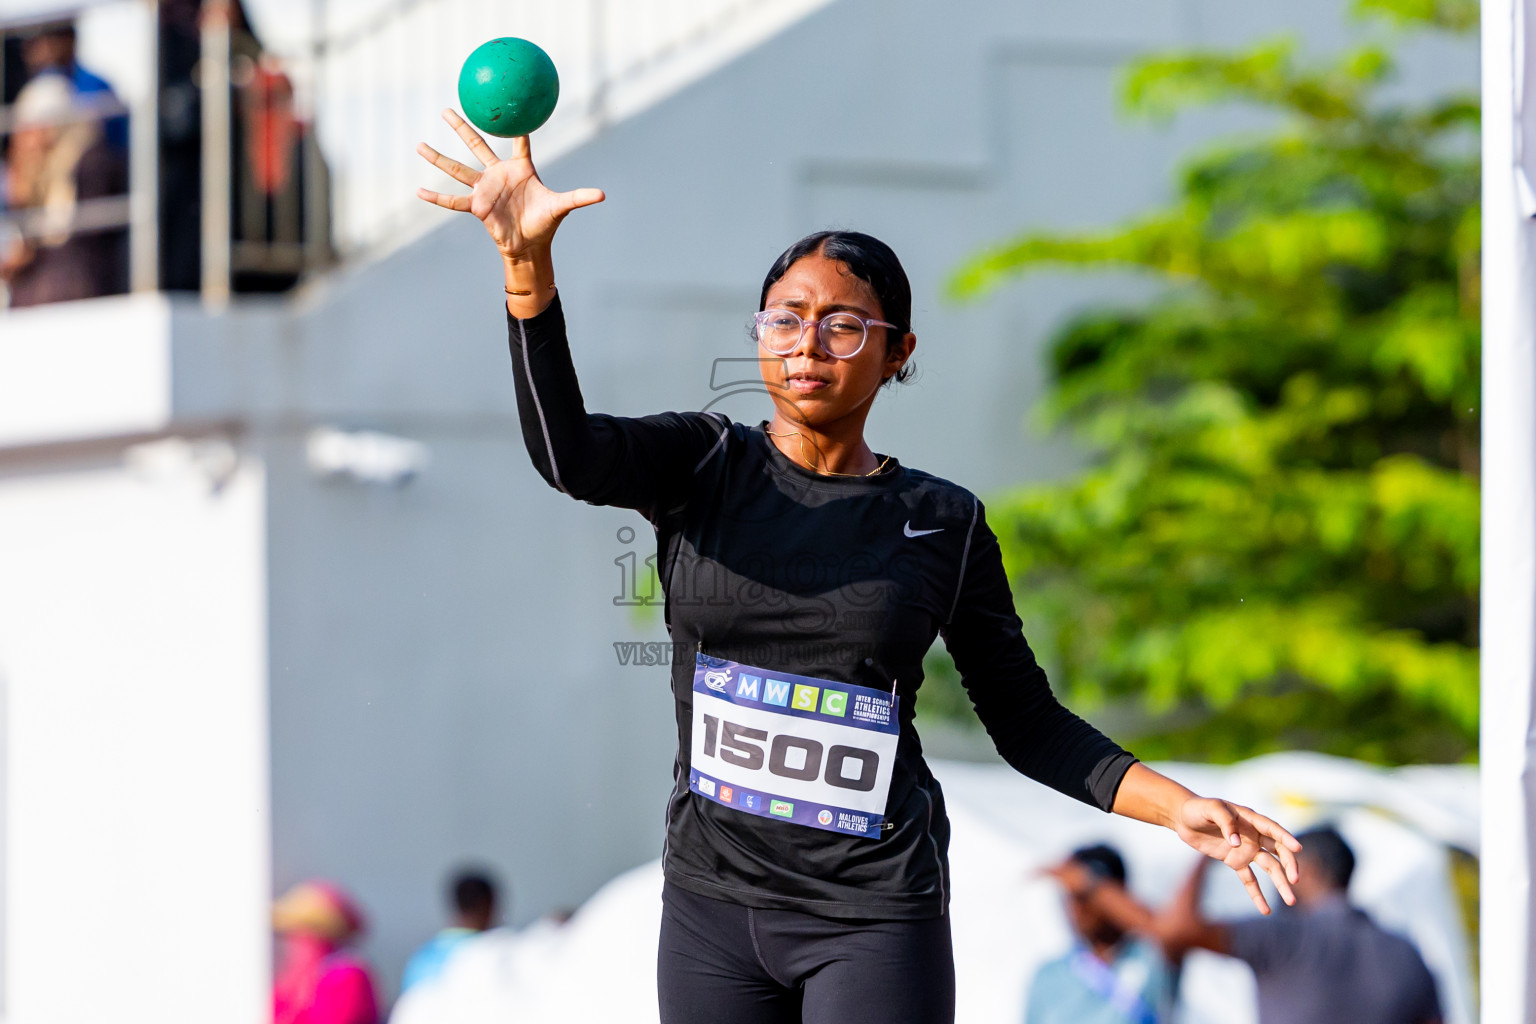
<point>1251,883</point>
<point>1276,872</point>
<point>575,200</point>
<point>1286,846</point>
<point>462,173</point>
<point>472,139</point>
<point>457,203</point>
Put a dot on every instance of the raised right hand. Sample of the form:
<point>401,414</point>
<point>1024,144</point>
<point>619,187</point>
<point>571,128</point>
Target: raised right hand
<point>519,212</point>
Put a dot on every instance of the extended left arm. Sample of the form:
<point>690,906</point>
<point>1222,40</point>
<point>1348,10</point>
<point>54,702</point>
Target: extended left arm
<point>1013,699</point>
<point>1050,744</point>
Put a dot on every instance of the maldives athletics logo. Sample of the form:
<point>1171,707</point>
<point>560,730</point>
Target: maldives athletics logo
<point>825,817</point>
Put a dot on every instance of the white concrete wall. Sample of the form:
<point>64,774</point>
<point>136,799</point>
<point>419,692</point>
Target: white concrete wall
<point>132,656</point>
<point>444,686</point>
<point>85,369</point>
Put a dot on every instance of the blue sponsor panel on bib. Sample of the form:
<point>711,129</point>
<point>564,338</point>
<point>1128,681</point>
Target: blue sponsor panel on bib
<point>792,748</point>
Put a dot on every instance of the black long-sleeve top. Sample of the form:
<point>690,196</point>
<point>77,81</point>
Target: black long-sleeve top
<point>847,579</point>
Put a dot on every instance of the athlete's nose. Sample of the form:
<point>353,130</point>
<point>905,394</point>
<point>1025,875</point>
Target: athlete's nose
<point>810,349</point>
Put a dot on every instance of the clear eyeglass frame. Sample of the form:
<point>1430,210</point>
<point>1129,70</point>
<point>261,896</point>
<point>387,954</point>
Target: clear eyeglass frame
<point>827,331</point>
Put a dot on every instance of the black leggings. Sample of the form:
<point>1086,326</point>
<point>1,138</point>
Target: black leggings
<point>720,963</point>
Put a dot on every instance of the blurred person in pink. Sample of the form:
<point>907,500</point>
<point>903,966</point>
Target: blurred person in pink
<point>320,981</point>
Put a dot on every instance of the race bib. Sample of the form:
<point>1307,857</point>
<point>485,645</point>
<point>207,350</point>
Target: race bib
<point>793,748</point>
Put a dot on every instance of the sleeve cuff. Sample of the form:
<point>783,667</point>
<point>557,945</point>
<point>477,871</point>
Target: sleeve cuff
<point>546,315</point>
<point>1104,781</point>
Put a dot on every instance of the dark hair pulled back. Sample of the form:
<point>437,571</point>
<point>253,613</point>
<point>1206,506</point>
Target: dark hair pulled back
<point>871,261</point>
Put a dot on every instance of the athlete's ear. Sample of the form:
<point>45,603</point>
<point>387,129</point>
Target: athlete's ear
<point>897,355</point>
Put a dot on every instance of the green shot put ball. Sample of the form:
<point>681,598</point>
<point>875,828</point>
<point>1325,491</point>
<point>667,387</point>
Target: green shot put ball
<point>508,87</point>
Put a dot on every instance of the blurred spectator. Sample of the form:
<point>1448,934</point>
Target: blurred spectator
<point>473,896</point>
<point>318,980</point>
<point>58,160</point>
<point>52,50</point>
<point>181,130</point>
<point>272,157</point>
<point>1110,976</point>
<point>1325,962</point>
<point>181,141</point>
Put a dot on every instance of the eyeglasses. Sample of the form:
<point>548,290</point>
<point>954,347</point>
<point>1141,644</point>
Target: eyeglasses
<point>842,335</point>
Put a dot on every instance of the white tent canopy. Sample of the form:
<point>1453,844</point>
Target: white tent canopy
<point>1007,920</point>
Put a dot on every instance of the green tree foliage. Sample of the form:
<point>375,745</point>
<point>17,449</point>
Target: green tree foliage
<point>1276,543</point>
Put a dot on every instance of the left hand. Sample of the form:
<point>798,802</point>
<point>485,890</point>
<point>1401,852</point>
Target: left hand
<point>1240,838</point>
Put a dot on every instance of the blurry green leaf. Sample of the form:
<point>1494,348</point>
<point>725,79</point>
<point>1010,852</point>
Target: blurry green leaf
<point>1453,15</point>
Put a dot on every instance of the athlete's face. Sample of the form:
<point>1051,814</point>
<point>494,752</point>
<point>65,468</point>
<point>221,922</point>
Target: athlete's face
<point>809,385</point>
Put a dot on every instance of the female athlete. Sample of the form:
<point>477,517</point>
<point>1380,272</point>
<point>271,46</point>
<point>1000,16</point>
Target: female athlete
<point>805,856</point>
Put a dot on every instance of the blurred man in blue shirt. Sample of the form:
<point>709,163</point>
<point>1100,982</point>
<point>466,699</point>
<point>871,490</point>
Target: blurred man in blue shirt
<point>1110,976</point>
<point>52,51</point>
<point>473,894</point>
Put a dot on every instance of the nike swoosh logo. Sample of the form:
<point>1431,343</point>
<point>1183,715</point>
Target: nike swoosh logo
<point>907,529</point>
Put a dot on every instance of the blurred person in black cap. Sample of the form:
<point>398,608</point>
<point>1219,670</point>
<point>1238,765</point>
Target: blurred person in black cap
<point>474,898</point>
<point>1111,975</point>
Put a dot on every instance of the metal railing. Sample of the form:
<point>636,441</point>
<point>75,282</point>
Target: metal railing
<point>137,208</point>
<point>266,193</point>
<point>254,193</point>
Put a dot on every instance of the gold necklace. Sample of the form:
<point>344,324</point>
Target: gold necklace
<point>811,465</point>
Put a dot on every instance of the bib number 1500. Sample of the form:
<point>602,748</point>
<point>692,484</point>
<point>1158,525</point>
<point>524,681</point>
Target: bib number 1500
<point>845,767</point>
